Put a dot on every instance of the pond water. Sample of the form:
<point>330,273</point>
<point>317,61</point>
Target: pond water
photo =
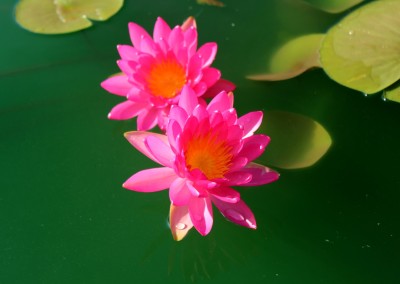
<point>65,217</point>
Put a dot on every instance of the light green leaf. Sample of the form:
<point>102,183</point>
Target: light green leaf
<point>392,94</point>
<point>63,16</point>
<point>296,140</point>
<point>333,6</point>
<point>293,58</point>
<point>362,51</point>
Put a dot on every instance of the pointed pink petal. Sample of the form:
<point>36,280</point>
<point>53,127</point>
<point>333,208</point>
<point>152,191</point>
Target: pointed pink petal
<point>238,213</point>
<point>179,220</point>
<point>195,69</point>
<point>173,130</point>
<point>125,67</point>
<point>147,120</point>
<point>191,41</point>
<point>197,191</point>
<point>261,174</point>
<point>200,210</point>
<point>126,110</point>
<point>207,53</point>
<point>117,85</point>
<point>138,138</point>
<point>188,100</point>
<point>128,52</point>
<point>137,33</point>
<point>151,180</point>
<point>160,150</point>
<point>218,87</point>
<point>179,114</point>
<point>188,23</point>
<point>200,88</point>
<point>238,178</point>
<point>161,30</point>
<point>200,112</point>
<point>220,103</point>
<point>210,76</point>
<point>179,193</point>
<point>250,122</point>
<point>175,39</point>
<point>225,194</point>
<point>148,46</point>
<point>254,146</point>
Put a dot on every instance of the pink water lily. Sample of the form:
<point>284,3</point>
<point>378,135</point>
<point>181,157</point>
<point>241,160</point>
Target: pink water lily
<point>206,151</point>
<point>155,69</point>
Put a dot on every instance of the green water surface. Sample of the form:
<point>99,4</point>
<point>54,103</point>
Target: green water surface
<point>65,217</point>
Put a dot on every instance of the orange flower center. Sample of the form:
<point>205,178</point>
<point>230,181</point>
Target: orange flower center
<point>166,78</point>
<point>212,157</point>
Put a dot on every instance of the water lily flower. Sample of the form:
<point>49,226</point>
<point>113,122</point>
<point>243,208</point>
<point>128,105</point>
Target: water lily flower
<point>155,69</point>
<point>206,151</point>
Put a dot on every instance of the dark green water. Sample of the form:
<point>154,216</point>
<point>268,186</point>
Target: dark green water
<point>66,219</point>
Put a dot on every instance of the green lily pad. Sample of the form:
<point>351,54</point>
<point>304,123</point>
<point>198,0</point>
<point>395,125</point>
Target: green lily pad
<point>293,58</point>
<point>63,16</point>
<point>297,141</point>
<point>333,6</point>
<point>362,51</point>
<point>392,94</point>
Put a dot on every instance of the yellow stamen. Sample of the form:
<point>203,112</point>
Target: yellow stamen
<point>166,78</point>
<point>212,157</point>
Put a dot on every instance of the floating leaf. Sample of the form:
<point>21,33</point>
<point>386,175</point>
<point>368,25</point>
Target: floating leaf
<point>362,51</point>
<point>211,3</point>
<point>63,16</point>
<point>293,58</point>
<point>296,140</point>
<point>334,6</point>
<point>393,94</point>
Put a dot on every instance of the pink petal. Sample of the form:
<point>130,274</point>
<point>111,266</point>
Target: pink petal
<point>148,46</point>
<point>188,23</point>
<point>195,69</point>
<point>219,86</point>
<point>200,112</point>
<point>151,180</point>
<point>179,220</point>
<point>220,103</point>
<point>138,138</point>
<point>200,88</point>
<point>250,122</point>
<point>197,191</point>
<point>261,174</point>
<point>117,85</point>
<point>254,146</point>
<point>225,194</point>
<point>179,114</point>
<point>200,210</point>
<point>125,67</point>
<point>126,110</point>
<point>137,33</point>
<point>173,130</point>
<point>160,150</point>
<point>147,120</point>
<point>210,76</point>
<point>238,178</point>
<point>128,52</point>
<point>175,39</point>
<point>161,30</point>
<point>179,193</point>
<point>191,41</point>
<point>188,100</point>
<point>207,53</point>
<point>238,213</point>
